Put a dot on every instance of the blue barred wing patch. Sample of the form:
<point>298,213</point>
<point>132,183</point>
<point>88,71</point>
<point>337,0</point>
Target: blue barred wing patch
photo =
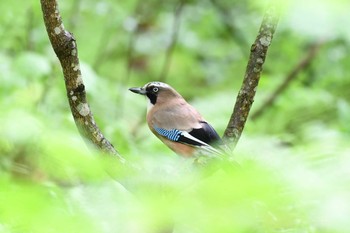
<point>172,134</point>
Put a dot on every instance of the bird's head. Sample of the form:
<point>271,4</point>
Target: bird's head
<point>156,92</point>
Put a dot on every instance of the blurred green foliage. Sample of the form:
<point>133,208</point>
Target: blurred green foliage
<point>293,172</point>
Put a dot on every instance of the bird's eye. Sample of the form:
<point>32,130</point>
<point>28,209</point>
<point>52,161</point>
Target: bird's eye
<point>155,89</point>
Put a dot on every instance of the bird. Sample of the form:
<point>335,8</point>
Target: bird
<point>178,124</point>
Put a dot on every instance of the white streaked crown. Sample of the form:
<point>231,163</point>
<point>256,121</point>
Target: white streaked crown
<point>158,84</point>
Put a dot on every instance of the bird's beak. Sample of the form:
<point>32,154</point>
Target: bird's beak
<point>138,90</point>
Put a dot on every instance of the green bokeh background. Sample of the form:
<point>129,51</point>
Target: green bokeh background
<point>294,160</point>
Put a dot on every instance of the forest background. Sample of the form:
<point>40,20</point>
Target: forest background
<point>294,153</point>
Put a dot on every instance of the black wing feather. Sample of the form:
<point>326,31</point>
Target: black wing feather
<point>206,134</point>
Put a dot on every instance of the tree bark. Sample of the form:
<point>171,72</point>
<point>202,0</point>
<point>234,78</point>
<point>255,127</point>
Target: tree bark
<point>65,47</point>
<point>251,79</point>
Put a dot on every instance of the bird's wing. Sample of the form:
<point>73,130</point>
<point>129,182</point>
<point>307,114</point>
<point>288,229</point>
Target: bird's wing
<point>193,138</point>
<point>180,122</point>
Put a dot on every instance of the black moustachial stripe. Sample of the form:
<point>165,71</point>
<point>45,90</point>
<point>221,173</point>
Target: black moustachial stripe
<point>152,97</point>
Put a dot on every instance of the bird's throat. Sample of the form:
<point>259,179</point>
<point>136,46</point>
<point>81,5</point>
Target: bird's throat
<point>149,106</point>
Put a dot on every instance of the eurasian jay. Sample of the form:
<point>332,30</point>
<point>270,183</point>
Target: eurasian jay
<point>176,123</point>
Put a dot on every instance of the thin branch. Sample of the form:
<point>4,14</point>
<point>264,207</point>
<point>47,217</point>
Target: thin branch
<point>29,29</point>
<point>129,55</point>
<point>173,41</point>
<point>231,28</point>
<point>134,34</point>
<point>302,65</point>
<point>74,17</point>
<point>102,50</point>
<point>245,97</point>
<point>65,47</point>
